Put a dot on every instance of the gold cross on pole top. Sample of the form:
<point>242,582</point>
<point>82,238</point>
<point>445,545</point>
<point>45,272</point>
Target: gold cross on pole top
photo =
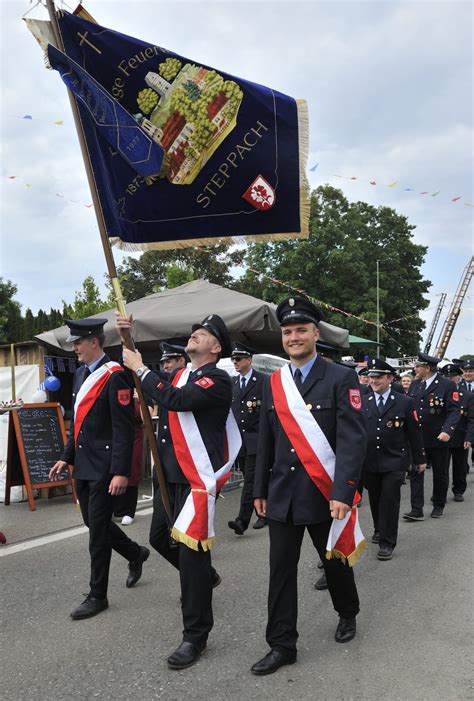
<point>84,38</point>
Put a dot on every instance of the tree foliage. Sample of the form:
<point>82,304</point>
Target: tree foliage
<point>157,270</point>
<point>87,301</point>
<point>337,266</point>
<point>10,311</point>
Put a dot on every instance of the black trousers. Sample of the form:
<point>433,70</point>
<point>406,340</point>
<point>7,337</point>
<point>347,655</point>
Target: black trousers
<point>97,507</point>
<point>285,546</point>
<point>460,469</point>
<point>246,499</point>
<point>439,459</point>
<point>126,503</point>
<point>384,497</point>
<point>195,569</point>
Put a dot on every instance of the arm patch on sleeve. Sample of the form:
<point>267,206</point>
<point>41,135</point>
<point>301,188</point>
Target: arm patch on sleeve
<point>355,399</point>
<point>415,415</point>
<point>124,396</point>
<point>456,396</point>
<point>205,382</point>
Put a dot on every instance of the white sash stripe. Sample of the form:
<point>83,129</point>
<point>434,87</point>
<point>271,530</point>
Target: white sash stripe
<point>202,462</point>
<point>321,447</point>
<point>90,381</point>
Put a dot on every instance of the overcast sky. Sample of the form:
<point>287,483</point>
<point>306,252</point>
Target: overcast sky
<point>389,90</point>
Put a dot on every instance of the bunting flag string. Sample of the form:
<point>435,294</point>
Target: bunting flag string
<point>30,118</point>
<point>387,326</point>
<point>396,184</point>
<point>57,194</point>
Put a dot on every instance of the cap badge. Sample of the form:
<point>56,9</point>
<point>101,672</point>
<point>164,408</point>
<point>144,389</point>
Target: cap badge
<point>291,302</point>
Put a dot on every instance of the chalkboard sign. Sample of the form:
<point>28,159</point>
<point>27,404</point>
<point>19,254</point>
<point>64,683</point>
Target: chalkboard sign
<point>36,438</point>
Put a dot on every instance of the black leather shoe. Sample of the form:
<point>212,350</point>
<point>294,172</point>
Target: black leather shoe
<point>457,497</point>
<point>376,537</point>
<point>237,526</point>
<point>135,567</point>
<point>437,512</point>
<point>185,655</point>
<point>385,552</point>
<point>414,516</point>
<point>89,607</point>
<point>346,630</point>
<point>260,523</point>
<point>321,584</point>
<point>273,661</point>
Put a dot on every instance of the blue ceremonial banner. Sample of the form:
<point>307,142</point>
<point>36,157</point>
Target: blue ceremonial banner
<point>182,153</point>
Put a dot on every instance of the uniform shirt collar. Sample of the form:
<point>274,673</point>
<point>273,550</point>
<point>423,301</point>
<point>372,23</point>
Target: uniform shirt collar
<point>385,395</point>
<point>305,369</point>
<point>93,366</point>
<point>247,377</point>
<point>430,380</point>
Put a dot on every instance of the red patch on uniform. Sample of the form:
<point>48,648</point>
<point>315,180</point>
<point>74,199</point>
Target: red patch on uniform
<point>355,399</point>
<point>351,482</point>
<point>160,385</point>
<point>124,396</point>
<point>205,382</point>
<point>456,396</point>
<point>415,415</point>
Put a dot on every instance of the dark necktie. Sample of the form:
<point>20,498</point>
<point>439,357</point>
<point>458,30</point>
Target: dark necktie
<point>298,378</point>
<point>469,386</point>
<point>381,403</point>
<point>242,385</point>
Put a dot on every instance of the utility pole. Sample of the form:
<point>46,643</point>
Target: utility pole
<point>378,310</point>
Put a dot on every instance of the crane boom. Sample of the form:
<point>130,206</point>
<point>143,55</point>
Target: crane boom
<point>453,314</point>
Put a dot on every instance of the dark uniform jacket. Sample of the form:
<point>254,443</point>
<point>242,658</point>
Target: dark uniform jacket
<point>464,430</point>
<point>246,407</point>
<point>437,408</point>
<point>105,442</point>
<point>281,478</point>
<point>392,434</point>
<point>365,389</point>
<point>208,394</point>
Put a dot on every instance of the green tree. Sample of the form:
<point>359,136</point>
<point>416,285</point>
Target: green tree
<point>10,313</point>
<point>337,266</point>
<point>29,328</point>
<point>87,301</point>
<point>156,270</point>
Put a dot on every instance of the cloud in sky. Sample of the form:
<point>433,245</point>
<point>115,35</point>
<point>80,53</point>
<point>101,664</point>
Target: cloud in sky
<point>389,89</point>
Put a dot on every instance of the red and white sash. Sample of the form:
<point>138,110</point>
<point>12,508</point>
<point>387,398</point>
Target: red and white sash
<point>195,522</point>
<point>89,391</point>
<point>345,540</point>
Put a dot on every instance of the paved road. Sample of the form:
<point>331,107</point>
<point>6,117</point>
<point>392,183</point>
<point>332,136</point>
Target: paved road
<point>414,632</point>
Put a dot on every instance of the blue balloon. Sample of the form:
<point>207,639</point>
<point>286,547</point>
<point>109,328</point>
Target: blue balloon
<point>52,383</point>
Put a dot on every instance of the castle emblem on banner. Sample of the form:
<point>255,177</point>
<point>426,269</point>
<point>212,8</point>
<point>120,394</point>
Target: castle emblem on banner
<point>189,111</point>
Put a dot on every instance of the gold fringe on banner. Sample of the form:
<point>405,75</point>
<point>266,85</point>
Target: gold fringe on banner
<point>192,542</point>
<point>303,138</point>
<point>350,559</point>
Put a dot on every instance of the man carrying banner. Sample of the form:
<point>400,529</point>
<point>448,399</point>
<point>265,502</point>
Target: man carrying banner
<point>100,446</point>
<point>198,440</point>
<point>311,449</point>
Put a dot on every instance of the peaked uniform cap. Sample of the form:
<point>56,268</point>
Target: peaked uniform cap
<point>168,350</point>
<point>83,328</point>
<point>468,364</point>
<point>425,359</point>
<point>451,369</point>
<point>216,325</point>
<point>294,310</point>
<point>379,367</point>
<point>239,350</point>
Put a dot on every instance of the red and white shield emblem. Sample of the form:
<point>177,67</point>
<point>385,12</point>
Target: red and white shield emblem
<point>124,396</point>
<point>260,194</point>
<point>355,399</point>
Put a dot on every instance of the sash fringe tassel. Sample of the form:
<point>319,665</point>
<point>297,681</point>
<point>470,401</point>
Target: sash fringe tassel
<point>350,559</point>
<point>192,542</point>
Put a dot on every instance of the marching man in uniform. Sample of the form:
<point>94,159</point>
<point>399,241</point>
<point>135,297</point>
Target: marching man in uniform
<point>311,449</point>
<point>198,441</point>
<point>246,405</point>
<point>394,435</point>
<point>100,447</point>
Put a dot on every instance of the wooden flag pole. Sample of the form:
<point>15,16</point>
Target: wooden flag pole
<point>112,271</point>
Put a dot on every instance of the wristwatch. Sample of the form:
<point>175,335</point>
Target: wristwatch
<point>141,371</point>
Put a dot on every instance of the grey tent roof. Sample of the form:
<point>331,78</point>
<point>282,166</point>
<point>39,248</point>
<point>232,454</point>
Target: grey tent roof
<point>170,314</point>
